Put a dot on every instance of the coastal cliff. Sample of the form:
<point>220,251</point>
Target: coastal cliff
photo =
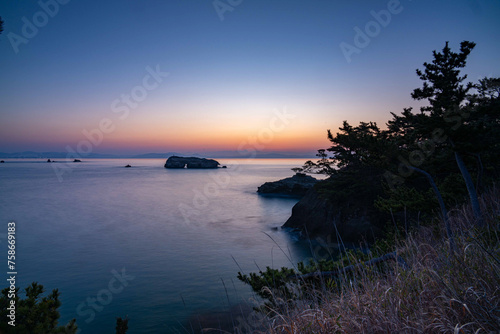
<point>334,205</point>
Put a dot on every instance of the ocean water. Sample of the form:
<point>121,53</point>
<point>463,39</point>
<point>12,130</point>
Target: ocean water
<point>160,246</point>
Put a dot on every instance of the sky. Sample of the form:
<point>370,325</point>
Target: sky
<point>130,76</point>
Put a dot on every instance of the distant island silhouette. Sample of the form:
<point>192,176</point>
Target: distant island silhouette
<point>191,163</point>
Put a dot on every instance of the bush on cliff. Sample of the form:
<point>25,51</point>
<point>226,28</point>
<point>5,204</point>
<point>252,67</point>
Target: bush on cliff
<point>34,314</point>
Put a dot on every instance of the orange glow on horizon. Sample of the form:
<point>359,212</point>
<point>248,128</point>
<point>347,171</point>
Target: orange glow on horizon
<point>221,142</point>
<point>159,133</point>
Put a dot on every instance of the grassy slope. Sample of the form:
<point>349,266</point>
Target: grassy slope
<point>440,293</point>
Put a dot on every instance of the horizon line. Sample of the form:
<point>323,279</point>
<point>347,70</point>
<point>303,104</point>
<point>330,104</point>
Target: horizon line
<point>151,155</point>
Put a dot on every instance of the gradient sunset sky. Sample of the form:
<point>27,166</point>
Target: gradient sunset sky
<point>231,68</point>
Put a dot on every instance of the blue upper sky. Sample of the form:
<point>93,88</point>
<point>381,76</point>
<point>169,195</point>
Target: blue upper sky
<point>68,66</point>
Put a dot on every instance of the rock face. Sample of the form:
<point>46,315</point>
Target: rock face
<point>296,186</point>
<point>317,216</point>
<point>190,162</point>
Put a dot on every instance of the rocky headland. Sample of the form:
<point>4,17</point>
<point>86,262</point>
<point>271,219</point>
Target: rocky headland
<point>333,207</point>
<point>316,216</point>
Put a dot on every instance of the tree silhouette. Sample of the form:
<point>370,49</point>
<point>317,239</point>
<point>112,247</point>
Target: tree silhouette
<point>460,126</point>
<point>121,325</point>
<point>446,92</point>
<point>34,314</point>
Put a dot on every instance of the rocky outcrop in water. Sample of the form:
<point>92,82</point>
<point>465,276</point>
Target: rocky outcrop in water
<point>190,162</point>
<point>296,186</point>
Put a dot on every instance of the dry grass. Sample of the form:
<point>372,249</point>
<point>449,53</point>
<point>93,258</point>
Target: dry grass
<point>440,293</point>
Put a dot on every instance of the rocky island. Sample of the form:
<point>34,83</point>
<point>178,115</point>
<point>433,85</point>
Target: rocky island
<point>296,186</point>
<point>191,162</point>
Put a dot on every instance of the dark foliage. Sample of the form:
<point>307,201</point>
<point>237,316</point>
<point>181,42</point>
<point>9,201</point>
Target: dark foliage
<point>34,314</point>
<point>121,325</point>
<point>460,127</point>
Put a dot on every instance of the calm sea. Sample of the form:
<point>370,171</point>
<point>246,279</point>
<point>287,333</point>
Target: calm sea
<point>160,246</point>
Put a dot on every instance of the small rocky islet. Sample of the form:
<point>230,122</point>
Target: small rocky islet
<point>295,186</point>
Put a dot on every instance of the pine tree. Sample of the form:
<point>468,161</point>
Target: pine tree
<point>446,92</point>
<point>35,314</point>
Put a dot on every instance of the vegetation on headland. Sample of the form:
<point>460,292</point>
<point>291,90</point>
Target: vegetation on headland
<point>33,314</point>
<point>409,175</point>
<point>438,290</point>
<point>38,314</point>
